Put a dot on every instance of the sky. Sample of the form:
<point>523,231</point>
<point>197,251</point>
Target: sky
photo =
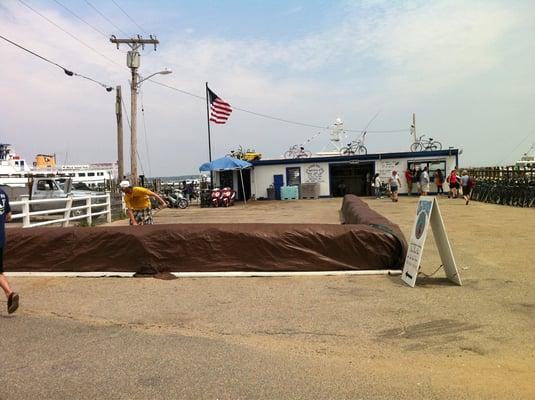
<point>464,68</point>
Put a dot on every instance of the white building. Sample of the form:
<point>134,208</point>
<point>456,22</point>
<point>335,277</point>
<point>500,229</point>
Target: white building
<point>355,172</point>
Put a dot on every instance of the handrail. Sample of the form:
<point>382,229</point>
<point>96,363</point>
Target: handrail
<point>88,204</point>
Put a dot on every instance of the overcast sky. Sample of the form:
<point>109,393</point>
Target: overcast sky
<point>465,68</point>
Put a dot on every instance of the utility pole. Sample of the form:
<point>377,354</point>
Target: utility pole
<point>413,128</point>
<point>133,60</point>
<point>119,115</point>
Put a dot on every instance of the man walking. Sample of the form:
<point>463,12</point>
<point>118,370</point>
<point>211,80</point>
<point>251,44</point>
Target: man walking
<point>5,215</point>
<point>138,206</point>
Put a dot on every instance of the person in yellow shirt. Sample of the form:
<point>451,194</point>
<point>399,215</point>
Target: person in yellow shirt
<point>137,200</point>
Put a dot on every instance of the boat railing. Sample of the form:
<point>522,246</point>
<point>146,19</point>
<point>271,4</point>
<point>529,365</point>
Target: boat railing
<point>74,208</point>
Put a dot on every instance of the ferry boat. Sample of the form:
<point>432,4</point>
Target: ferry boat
<point>528,159</point>
<point>15,171</point>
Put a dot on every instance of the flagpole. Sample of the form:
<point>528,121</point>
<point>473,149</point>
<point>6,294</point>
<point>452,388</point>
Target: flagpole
<point>209,138</point>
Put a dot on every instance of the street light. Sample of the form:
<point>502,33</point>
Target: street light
<point>133,63</point>
<point>164,72</point>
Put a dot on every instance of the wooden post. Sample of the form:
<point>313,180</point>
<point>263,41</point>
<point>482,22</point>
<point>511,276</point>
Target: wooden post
<point>108,208</point>
<point>89,211</point>
<point>120,141</point>
<point>67,213</point>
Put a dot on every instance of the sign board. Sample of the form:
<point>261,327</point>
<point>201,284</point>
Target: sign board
<point>428,214</point>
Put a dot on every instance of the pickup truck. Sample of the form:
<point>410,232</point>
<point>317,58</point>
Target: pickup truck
<point>47,188</point>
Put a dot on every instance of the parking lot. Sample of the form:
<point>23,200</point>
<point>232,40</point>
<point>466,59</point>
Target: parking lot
<point>290,338</point>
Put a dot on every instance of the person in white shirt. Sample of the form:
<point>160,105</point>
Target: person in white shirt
<point>376,183</point>
<point>395,183</point>
<point>424,182</point>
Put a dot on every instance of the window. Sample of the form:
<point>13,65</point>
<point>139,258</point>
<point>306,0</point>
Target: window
<point>22,163</point>
<point>293,176</point>
<point>90,174</point>
<point>100,173</point>
<point>432,166</point>
<point>46,185</point>
<point>81,174</point>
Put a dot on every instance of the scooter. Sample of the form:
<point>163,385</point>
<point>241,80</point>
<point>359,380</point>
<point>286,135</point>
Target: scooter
<point>177,200</point>
<point>227,197</point>
<point>216,197</point>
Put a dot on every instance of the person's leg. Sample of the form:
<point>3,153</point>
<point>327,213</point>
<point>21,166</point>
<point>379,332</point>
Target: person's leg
<point>4,284</point>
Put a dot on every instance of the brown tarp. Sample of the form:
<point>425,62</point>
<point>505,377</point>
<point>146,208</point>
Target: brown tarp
<point>209,247</point>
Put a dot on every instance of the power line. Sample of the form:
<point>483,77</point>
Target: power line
<point>81,19</point>
<point>129,17</point>
<point>273,117</point>
<point>145,129</point>
<point>68,33</point>
<point>106,18</point>
<point>130,126</point>
<point>517,146</point>
<point>67,71</point>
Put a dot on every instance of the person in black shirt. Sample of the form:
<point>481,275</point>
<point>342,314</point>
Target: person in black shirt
<point>5,215</point>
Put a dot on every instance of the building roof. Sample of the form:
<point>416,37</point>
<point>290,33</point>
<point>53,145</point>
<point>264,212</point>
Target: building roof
<point>366,157</point>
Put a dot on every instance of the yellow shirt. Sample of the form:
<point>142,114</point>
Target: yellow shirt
<point>138,199</point>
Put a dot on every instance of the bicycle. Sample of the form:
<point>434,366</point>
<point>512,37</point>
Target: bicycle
<point>297,151</point>
<point>426,145</point>
<point>237,153</point>
<point>355,147</point>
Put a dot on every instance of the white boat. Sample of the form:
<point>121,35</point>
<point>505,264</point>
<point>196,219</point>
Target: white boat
<point>528,159</point>
<point>93,175</point>
<point>15,171</point>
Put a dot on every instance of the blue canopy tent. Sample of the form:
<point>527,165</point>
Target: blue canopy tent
<point>227,164</point>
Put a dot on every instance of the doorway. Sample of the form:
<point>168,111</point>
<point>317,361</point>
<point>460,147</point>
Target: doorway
<point>351,178</point>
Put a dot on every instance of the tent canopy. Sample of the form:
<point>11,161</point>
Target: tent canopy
<point>225,163</point>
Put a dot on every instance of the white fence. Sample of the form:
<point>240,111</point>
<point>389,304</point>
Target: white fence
<point>74,208</point>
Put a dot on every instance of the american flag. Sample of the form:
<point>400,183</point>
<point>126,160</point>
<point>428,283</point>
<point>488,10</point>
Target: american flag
<point>219,109</point>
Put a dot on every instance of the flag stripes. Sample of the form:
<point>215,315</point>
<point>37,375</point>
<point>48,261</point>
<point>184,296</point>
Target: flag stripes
<point>219,109</point>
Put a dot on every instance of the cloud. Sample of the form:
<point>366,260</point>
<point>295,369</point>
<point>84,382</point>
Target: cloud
<point>432,58</point>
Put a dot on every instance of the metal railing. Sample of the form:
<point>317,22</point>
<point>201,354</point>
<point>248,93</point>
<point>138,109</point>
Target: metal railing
<point>72,210</point>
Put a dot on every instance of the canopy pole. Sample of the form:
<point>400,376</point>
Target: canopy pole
<point>243,187</point>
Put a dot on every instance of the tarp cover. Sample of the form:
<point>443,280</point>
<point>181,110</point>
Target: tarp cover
<point>210,247</point>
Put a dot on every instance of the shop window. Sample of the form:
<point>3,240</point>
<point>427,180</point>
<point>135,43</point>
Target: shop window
<point>293,176</point>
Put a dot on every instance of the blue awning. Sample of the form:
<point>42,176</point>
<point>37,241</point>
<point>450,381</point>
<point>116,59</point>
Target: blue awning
<point>225,163</point>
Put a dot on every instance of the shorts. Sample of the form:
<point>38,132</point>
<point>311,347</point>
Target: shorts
<point>454,185</point>
<point>1,260</point>
<point>466,190</point>
<point>143,217</point>
<point>393,188</point>
<point>425,187</point>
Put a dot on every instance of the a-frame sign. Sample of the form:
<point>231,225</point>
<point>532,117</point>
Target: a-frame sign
<point>428,214</point>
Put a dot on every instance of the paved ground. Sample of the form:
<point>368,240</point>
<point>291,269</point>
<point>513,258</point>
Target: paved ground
<point>290,338</point>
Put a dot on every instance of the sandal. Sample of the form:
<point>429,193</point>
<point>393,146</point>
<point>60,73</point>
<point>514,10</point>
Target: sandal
<point>12,303</point>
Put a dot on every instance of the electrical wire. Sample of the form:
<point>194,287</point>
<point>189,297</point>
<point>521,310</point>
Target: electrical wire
<point>517,146</point>
<point>130,126</point>
<point>106,18</point>
<point>145,130</point>
<point>68,33</point>
<point>129,17</point>
<point>81,19</point>
<point>273,117</point>
<point>67,71</point>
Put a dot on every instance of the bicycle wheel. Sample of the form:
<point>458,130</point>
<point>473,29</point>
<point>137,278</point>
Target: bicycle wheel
<point>416,146</point>
<point>361,150</point>
<point>436,145</point>
<point>345,151</point>
<point>289,154</point>
<point>307,154</point>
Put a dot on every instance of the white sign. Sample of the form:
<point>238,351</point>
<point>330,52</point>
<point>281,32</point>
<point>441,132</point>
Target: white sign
<point>428,214</point>
<point>385,167</point>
